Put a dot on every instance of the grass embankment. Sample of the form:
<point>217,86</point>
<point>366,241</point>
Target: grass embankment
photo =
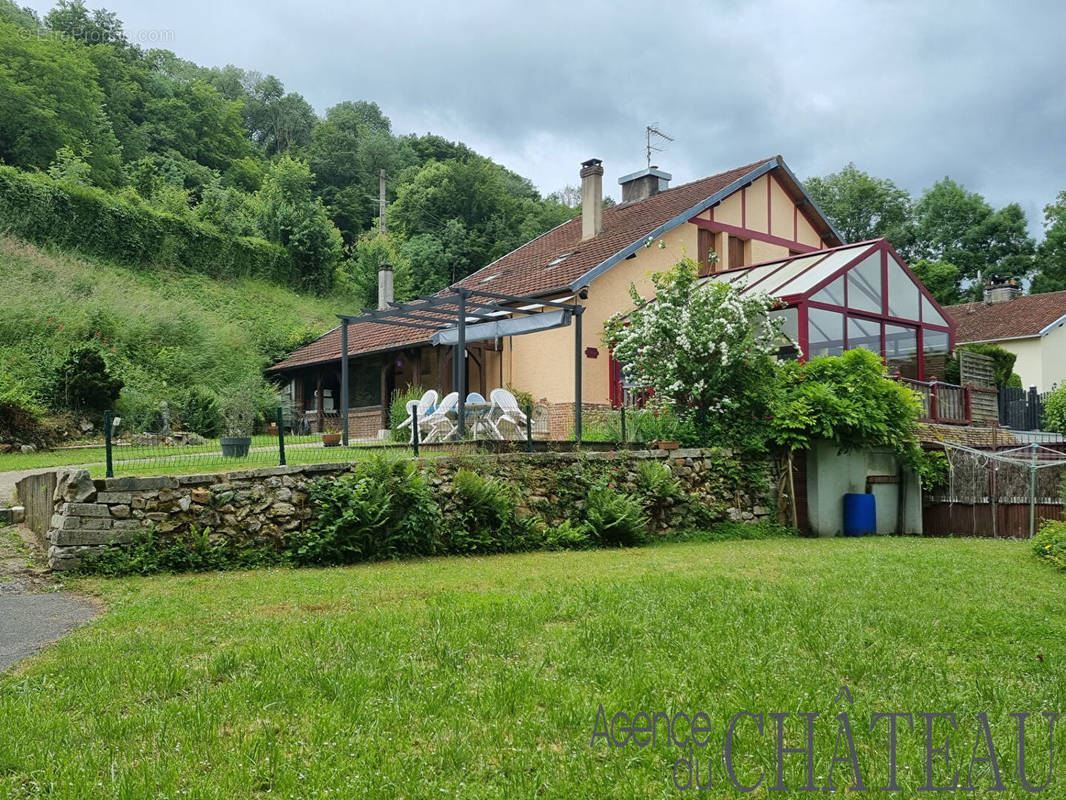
<point>162,332</point>
<point>481,677</point>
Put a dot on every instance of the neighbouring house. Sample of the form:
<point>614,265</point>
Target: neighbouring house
<point>1033,327</point>
<point>758,214</point>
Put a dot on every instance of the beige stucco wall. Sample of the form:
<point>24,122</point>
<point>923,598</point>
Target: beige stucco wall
<point>543,363</point>
<point>1030,363</point>
<point>1054,359</point>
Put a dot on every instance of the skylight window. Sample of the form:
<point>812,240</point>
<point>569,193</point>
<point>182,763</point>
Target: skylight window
<point>558,260</point>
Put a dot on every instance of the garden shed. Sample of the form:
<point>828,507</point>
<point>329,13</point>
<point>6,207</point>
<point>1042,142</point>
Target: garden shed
<point>858,295</point>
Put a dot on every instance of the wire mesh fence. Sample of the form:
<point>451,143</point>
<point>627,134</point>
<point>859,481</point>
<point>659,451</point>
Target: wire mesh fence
<point>285,440</point>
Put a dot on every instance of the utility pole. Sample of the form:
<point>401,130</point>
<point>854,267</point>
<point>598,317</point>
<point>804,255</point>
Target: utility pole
<point>381,202</point>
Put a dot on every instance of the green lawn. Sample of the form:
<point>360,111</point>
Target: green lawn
<point>136,460</point>
<point>481,677</point>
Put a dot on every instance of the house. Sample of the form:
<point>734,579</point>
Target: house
<point>755,214</point>
<point>1033,327</point>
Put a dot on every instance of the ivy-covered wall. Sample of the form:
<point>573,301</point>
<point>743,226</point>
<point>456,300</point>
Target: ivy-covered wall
<point>264,508</point>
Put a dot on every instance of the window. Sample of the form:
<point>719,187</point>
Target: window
<point>864,333</point>
<point>825,332</point>
<point>901,350</point>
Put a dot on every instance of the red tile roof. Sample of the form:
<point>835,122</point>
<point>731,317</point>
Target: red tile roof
<point>1017,318</point>
<point>528,271</point>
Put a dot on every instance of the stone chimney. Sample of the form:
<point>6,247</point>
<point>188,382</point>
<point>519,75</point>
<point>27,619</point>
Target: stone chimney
<point>591,198</point>
<point>1001,290</point>
<point>384,285</point>
<point>646,183</point>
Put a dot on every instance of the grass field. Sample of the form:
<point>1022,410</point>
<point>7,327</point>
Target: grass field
<point>207,458</point>
<point>482,677</point>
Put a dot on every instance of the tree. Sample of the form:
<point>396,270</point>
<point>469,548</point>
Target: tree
<point>84,382</point>
<point>707,351</point>
<point>73,19</point>
<point>292,216</point>
<point>360,273</point>
<point>1051,254</point>
<point>275,120</point>
<point>51,99</point>
<point>863,207</point>
<point>960,227</point>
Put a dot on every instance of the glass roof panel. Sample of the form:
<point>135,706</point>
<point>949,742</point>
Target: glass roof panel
<point>930,315</point>
<point>864,284</point>
<point>781,278</point>
<point>903,295</point>
<point>822,270</point>
<point>833,294</point>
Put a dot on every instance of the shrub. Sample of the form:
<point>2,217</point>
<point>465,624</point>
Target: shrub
<point>615,518</point>
<point>192,552</point>
<point>658,490</point>
<point>1050,543</point>
<point>483,517</point>
<point>385,509</point>
<point>39,209</point>
<point>568,535</point>
<point>200,413</point>
<point>1055,411</point>
<point>84,382</point>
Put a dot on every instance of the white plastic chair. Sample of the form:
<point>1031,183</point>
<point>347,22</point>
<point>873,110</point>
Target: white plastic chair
<point>506,411</point>
<point>439,426</point>
<point>423,405</point>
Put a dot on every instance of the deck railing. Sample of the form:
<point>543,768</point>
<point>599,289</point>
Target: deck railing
<point>943,402</point>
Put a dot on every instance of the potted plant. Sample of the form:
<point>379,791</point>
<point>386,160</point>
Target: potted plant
<point>331,435</point>
<point>239,411</point>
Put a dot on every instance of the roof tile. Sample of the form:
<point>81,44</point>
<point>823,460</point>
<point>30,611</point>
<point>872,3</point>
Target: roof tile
<point>1017,318</point>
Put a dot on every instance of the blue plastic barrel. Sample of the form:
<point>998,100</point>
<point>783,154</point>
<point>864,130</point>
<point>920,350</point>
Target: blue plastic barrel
<point>860,515</point>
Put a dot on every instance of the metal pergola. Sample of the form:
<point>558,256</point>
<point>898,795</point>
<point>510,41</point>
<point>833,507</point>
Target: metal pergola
<point>469,315</point>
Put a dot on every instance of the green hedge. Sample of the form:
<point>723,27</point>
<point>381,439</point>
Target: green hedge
<point>39,209</point>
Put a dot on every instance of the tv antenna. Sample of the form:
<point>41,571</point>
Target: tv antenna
<point>649,148</point>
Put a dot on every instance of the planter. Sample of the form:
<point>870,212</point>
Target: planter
<point>235,446</point>
<point>664,445</point>
<point>331,439</point>
<point>272,429</point>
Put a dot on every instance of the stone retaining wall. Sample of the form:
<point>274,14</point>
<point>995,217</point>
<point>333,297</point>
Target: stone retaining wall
<point>261,506</point>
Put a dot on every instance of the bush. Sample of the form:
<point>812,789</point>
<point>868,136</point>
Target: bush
<point>1055,411</point>
<point>194,552</point>
<point>200,413</point>
<point>642,425</point>
<point>84,382</point>
<point>659,491</point>
<point>615,518</point>
<point>568,535</point>
<point>1050,543</point>
<point>483,517</point>
<point>39,209</point>
<point>385,509</point>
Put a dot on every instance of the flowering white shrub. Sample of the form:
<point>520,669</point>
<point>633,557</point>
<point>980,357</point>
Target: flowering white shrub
<point>706,350</point>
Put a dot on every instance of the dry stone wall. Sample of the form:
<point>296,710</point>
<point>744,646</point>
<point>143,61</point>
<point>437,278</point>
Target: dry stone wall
<point>261,507</point>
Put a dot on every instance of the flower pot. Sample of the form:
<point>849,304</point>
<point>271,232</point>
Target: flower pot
<point>664,445</point>
<point>235,446</point>
<point>331,439</point>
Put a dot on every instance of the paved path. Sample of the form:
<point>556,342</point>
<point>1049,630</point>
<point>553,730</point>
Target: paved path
<point>31,616</point>
<point>9,479</point>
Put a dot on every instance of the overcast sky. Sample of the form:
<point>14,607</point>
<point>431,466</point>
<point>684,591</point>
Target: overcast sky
<point>910,91</point>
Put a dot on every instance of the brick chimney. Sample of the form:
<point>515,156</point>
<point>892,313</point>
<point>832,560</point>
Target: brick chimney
<point>646,183</point>
<point>384,285</point>
<point>591,198</point>
<point>1001,290</point>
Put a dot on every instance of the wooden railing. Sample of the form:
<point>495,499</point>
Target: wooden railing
<point>943,402</point>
